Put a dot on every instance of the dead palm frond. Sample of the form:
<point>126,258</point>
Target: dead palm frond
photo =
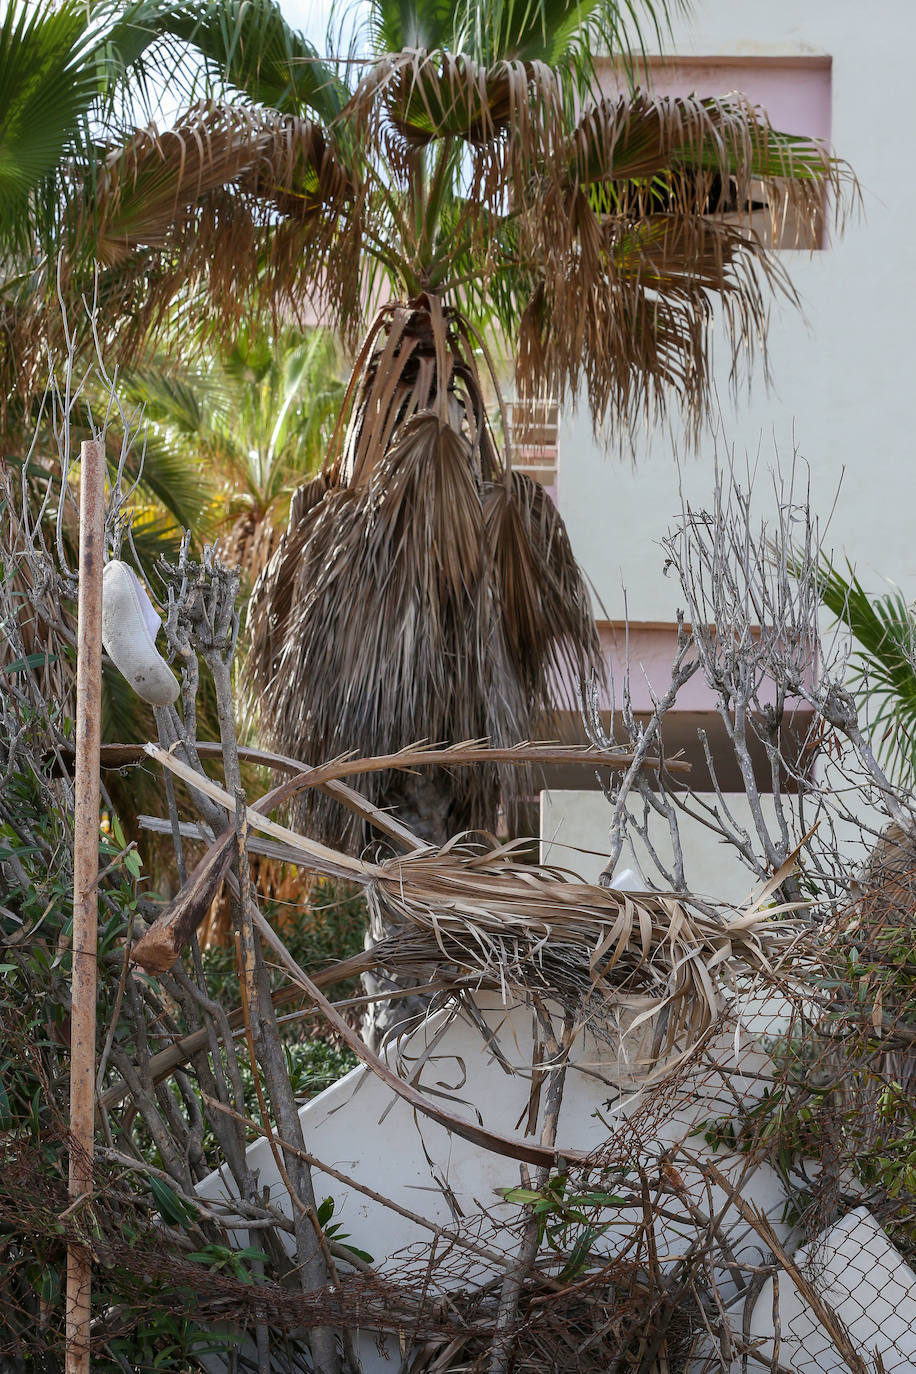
<point>473,916</point>
<point>425,585</point>
<point>239,203</point>
<point>629,960</point>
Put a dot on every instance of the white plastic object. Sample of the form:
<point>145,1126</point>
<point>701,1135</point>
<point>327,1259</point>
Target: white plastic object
<point>853,1267</point>
<point>129,628</point>
<point>627,881</point>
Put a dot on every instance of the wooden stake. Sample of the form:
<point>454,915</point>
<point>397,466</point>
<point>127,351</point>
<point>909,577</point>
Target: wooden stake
<point>85,893</point>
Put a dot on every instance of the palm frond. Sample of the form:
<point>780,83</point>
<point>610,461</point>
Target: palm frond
<point>631,318</point>
<point>61,65</point>
<point>44,88</point>
<point>567,33</point>
<point>395,25</point>
<point>885,627</point>
<point>239,205</point>
<point>473,916</point>
<point>642,962</point>
<point>426,592</point>
<point>253,48</point>
<point>181,487</point>
<point>531,31</point>
<point>546,622</point>
<point>243,429</point>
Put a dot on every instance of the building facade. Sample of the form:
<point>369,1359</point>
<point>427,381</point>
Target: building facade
<point>841,368</point>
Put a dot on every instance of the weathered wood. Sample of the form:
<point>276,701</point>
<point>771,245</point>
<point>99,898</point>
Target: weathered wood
<point>85,890</point>
<point>157,950</point>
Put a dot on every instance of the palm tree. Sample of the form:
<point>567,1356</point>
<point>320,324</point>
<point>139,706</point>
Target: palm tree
<point>253,420</point>
<point>473,182</point>
<point>885,666</point>
<point>468,181</point>
<point>69,77</point>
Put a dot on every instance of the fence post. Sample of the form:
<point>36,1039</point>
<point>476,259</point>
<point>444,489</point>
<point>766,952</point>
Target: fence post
<point>85,893</point>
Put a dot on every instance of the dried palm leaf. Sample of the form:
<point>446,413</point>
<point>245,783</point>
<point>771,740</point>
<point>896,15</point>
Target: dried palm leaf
<point>631,317</point>
<point>428,593</point>
<point>475,917</point>
<point>649,961</point>
<point>243,204</point>
<point>636,138</point>
<point>424,96</point>
<point>539,583</point>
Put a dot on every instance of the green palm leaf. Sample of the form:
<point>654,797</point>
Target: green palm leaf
<point>46,87</point>
<point>244,429</point>
<point>58,61</point>
<point>252,47</point>
<point>885,671</point>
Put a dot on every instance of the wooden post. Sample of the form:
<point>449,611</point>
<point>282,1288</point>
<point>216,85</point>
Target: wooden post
<point>85,892</point>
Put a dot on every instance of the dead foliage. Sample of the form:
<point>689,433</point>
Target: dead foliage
<point>651,1257</point>
<point>421,582</point>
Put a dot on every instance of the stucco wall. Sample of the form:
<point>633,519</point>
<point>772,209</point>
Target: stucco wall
<point>574,835</point>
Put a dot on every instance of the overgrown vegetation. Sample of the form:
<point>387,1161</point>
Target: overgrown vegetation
<point>181,1089</point>
<point>135,1329</point>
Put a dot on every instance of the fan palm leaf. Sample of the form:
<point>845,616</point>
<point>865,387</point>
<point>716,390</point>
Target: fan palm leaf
<point>421,582</point>
<point>885,668</point>
<point>61,64</point>
<point>252,48</point>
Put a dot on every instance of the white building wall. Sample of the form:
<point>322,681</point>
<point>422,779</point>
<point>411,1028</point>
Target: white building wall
<point>843,383</point>
<point>574,836</point>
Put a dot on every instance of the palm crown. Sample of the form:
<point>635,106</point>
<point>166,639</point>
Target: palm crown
<point>474,158</point>
<point>423,588</point>
<point>466,179</point>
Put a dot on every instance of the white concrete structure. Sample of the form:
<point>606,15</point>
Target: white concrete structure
<point>362,1130</point>
<point>841,372</point>
<point>855,1269</point>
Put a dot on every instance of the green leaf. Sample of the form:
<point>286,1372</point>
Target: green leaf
<point>523,1196</point>
<point>885,670</point>
<point>250,1252</point>
<point>597,1199</point>
<point>580,1257</point>
<point>21,665</point>
<point>170,1205</point>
